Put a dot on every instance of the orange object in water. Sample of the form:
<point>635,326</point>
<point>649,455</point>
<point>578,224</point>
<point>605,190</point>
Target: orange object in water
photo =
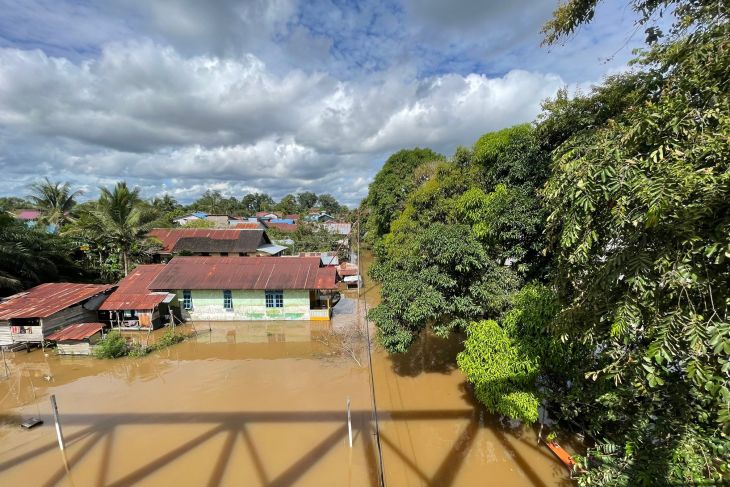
<point>563,455</point>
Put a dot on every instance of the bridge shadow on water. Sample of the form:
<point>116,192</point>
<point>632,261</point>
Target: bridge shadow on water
<point>98,431</point>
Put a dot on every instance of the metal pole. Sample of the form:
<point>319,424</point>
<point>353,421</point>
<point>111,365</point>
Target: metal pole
<point>349,422</point>
<point>59,433</point>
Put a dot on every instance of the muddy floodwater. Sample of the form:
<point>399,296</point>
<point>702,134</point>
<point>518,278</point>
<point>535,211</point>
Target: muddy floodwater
<point>261,404</point>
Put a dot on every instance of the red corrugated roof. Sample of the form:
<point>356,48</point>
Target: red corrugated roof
<point>247,226</point>
<point>170,236</point>
<point>244,273</point>
<point>78,331</point>
<point>45,300</point>
<point>133,291</point>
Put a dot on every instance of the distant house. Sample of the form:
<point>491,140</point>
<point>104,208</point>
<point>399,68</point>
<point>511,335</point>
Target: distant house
<point>77,339</point>
<point>132,306</point>
<point>32,315</point>
<point>338,228</point>
<point>184,220</point>
<point>319,217</point>
<point>265,216</point>
<point>221,221</point>
<point>249,288</point>
<point>215,241</point>
<point>294,217</point>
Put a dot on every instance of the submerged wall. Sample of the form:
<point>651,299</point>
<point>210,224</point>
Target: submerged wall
<point>247,306</point>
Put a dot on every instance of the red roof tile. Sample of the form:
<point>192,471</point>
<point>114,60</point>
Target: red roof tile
<point>47,299</point>
<point>244,273</point>
<point>133,291</point>
<point>78,331</point>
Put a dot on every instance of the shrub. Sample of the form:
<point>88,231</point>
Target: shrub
<point>169,338</point>
<point>113,345</point>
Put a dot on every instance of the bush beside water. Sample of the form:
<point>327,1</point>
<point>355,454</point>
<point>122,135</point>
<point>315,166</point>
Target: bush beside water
<point>114,345</point>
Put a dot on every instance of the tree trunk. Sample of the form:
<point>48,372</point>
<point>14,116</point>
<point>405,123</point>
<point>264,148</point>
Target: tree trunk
<point>125,260</point>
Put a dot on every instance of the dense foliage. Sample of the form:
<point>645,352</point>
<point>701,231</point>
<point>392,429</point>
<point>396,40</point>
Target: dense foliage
<point>29,256</point>
<point>621,243</point>
<point>392,185</point>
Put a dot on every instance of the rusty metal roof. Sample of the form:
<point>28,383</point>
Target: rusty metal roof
<point>247,226</point>
<point>47,299</point>
<point>133,291</point>
<point>210,239</point>
<point>244,273</point>
<point>284,227</point>
<point>78,331</point>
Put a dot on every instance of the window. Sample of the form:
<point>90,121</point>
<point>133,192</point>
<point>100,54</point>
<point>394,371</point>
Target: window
<point>224,254</point>
<point>187,299</point>
<point>227,300</point>
<point>275,298</point>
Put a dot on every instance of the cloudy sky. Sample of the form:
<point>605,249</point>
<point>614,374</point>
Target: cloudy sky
<point>278,96</point>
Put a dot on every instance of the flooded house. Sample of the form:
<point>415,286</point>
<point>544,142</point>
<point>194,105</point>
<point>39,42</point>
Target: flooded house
<point>249,288</point>
<point>132,306</point>
<point>240,242</point>
<point>77,339</point>
<point>32,315</point>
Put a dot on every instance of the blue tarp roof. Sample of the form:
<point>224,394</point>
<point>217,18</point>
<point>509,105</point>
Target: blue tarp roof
<point>200,214</point>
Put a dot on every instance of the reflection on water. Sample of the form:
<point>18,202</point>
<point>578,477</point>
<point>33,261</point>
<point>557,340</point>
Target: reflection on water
<point>261,404</point>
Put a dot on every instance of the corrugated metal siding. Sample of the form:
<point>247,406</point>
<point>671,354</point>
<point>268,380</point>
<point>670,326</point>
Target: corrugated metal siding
<point>6,338</point>
<point>81,348</point>
<point>69,316</point>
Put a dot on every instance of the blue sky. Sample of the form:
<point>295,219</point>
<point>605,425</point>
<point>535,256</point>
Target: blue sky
<point>273,95</point>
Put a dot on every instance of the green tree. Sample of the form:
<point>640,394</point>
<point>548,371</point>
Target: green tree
<point>118,221</point>
<point>212,201</point>
<point>392,185</point>
<point>255,202</point>
<point>518,363</point>
<point>12,203</point>
<point>165,204</point>
<point>29,257</point>
<point>329,204</point>
<point>287,205</point>
<point>55,200</point>
<point>306,200</point>
<point>444,279</point>
<point>640,228</point>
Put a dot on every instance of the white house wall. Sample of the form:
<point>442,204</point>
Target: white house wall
<point>247,306</point>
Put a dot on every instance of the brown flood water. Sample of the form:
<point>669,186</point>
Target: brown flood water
<point>261,404</point>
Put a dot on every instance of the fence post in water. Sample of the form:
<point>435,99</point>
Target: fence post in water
<point>59,433</point>
<point>5,364</point>
<point>349,422</point>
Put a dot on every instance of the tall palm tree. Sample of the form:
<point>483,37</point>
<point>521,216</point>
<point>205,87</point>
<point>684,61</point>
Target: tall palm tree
<point>54,199</point>
<point>119,216</point>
